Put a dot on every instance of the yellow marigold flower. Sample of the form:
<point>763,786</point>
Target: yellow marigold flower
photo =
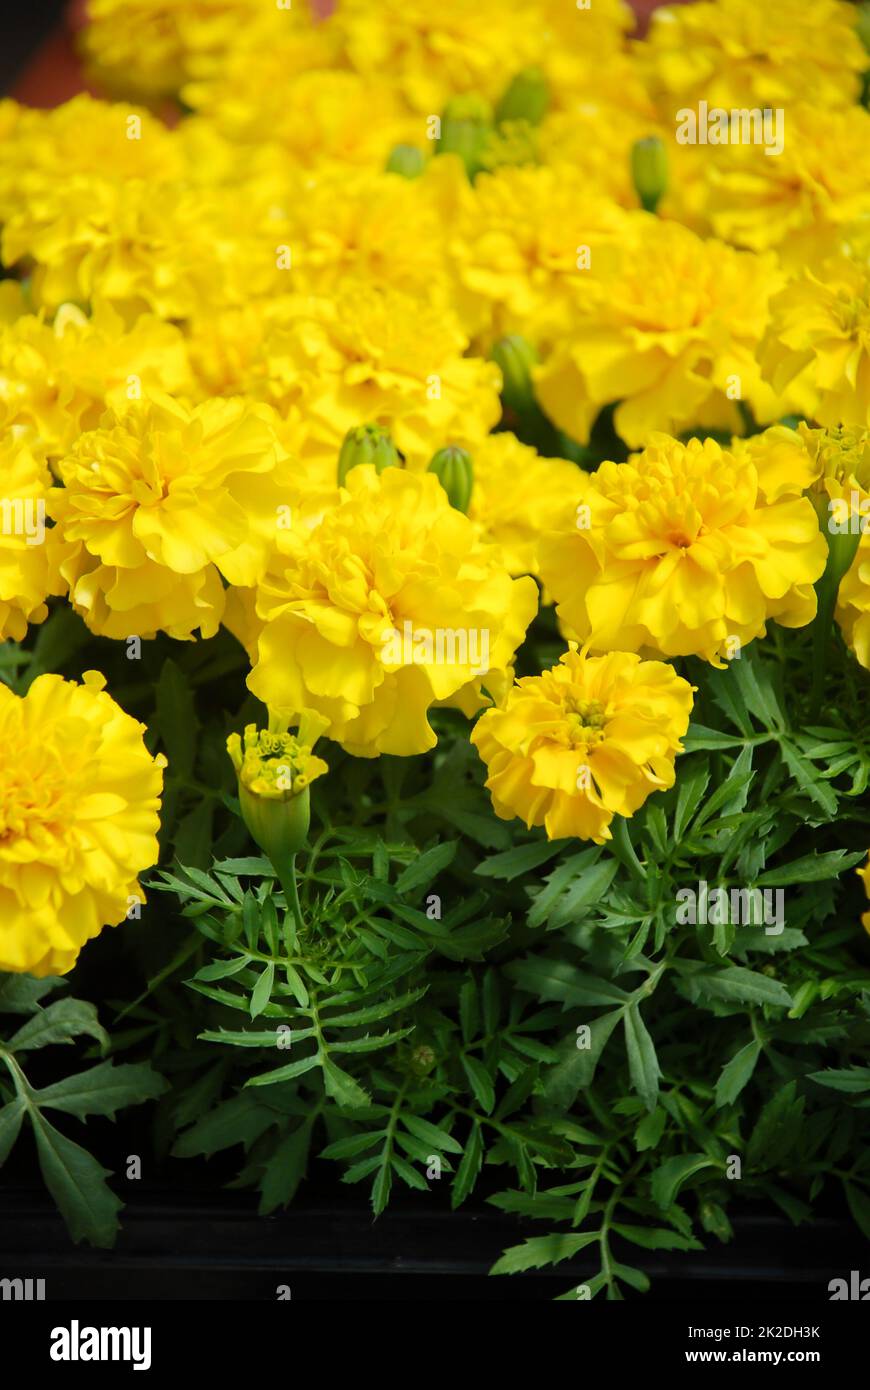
<point>805,200</point>
<point>435,52</point>
<point>518,495</point>
<point>818,343</point>
<point>151,47</point>
<point>369,225</point>
<point>737,53</point>
<point>588,740</point>
<point>162,501</point>
<point>59,377</point>
<point>590,147</point>
<point>367,354</point>
<point>27,570</point>
<point>668,325</point>
<point>390,604</point>
<point>318,118</point>
<point>840,459</point>
<point>678,552</point>
<point>79,803</point>
<point>275,770</point>
<point>780,457</point>
<point>516,244</point>
<point>584,54</point>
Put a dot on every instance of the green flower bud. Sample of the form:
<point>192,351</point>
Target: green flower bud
<point>366,444</point>
<point>526,98</point>
<point>863,25</point>
<point>515,357</point>
<point>453,468</point>
<point>842,530</point>
<point>406,160</point>
<point>275,770</point>
<point>649,170</point>
<point>467,129</point>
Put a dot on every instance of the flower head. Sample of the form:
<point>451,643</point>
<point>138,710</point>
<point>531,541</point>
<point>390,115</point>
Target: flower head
<point>678,550</point>
<point>667,324</point>
<point>160,502</point>
<point>587,740</point>
<point>275,770</point>
<point>79,803</point>
<point>390,604</point>
<point>28,571</point>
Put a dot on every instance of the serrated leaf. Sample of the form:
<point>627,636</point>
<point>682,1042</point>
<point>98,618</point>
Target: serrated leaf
<point>103,1090</point>
<point>539,1251</point>
<point>737,1073</point>
<point>469,1168</point>
<point>77,1182</point>
<point>669,1178</point>
<point>262,991</point>
<point>59,1022</point>
<point>431,1134</point>
<point>480,1082</point>
<point>520,860</point>
<point>643,1064</point>
<point>343,1089</point>
<point>426,866</point>
<point>11,1117</point>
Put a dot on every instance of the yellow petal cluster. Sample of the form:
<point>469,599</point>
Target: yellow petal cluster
<point>585,741</point>
<point>161,503</point>
<point>390,604</point>
<point>679,552</point>
<point>79,802</point>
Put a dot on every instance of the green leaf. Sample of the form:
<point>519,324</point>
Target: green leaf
<point>431,1134</point>
<point>103,1090</point>
<point>240,1120</point>
<point>77,1183</point>
<point>286,1073</point>
<point>735,982</point>
<point>480,1082</point>
<point>576,1070</point>
<point>426,866</point>
<point>262,991</point>
<point>737,1073</point>
<point>658,1238</point>
<point>11,1117</point>
<point>589,888</point>
<point>284,1170</point>
<point>650,1130</point>
<point>859,1206</point>
<point>58,1023</point>
<point>669,1178</point>
<point>643,1064</point>
<point>20,994</point>
<point>777,1128</point>
<point>810,869</point>
<point>560,980</point>
<point>520,860</point>
<point>341,1087</point>
<point>176,719</point>
<point>849,1079</point>
<point>692,783</point>
<point>469,1168</point>
<point>538,1251</point>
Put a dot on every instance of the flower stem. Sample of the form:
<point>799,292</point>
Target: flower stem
<point>286,872</point>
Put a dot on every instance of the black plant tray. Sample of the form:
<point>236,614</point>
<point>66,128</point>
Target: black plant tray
<point>184,1245</point>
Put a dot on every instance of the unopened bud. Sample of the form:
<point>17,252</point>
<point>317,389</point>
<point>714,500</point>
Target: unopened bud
<point>275,770</point>
<point>525,99</point>
<point>649,171</point>
<point>467,129</point>
<point>515,356</point>
<point>454,470</point>
<point>371,444</point>
<point>406,160</point>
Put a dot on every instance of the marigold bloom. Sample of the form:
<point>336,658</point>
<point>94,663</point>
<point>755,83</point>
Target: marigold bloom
<point>515,246</point>
<point>519,495</point>
<point>367,354</point>
<point>27,570</point>
<point>79,803</point>
<point>737,53</point>
<point>389,604</point>
<point>275,770</point>
<point>806,200</point>
<point>818,342</point>
<point>588,740</point>
<point>159,503</point>
<point>677,551</point>
<point>59,377</point>
<point>666,324</point>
